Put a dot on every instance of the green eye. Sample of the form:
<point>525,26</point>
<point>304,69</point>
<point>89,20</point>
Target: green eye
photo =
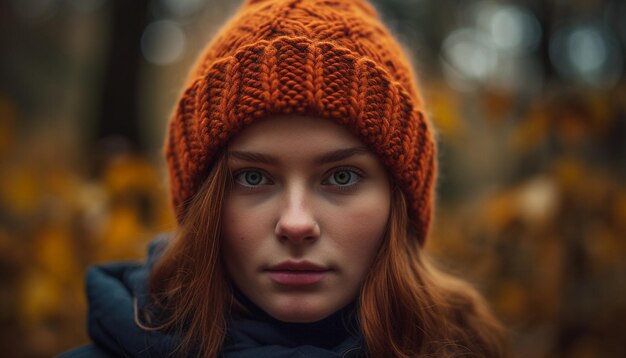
<point>251,178</point>
<point>344,178</point>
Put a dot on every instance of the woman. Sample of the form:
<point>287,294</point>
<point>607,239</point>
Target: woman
<point>302,172</point>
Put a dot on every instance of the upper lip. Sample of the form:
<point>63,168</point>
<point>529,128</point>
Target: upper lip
<point>297,266</point>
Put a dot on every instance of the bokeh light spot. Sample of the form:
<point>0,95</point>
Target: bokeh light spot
<point>470,54</point>
<point>163,42</point>
<point>514,28</point>
<point>586,49</point>
<point>587,54</point>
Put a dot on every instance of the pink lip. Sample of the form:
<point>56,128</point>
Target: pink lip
<point>297,273</point>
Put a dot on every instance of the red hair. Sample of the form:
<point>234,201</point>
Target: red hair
<point>407,307</point>
<point>188,283</point>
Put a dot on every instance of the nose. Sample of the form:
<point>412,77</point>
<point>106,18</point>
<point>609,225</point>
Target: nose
<point>296,221</point>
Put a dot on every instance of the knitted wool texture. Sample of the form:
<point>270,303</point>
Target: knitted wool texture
<point>327,58</point>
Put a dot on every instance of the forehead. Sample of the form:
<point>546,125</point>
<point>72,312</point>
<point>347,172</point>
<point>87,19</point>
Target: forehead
<point>279,134</point>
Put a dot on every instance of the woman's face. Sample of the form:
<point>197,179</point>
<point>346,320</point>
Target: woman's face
<point>305,216</point>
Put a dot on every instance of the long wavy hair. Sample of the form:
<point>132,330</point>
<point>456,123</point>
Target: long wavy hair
<point>406,308</point>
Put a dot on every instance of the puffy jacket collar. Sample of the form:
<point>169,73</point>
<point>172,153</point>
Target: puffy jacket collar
<point>112,291</point>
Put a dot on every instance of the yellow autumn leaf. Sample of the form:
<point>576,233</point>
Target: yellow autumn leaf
<point>55,253</point>
<point>20,191</point>
<point>40,297</point>
<point>123,235</point>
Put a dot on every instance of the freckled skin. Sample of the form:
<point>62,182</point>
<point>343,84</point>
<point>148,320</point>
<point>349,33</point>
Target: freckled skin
<point>302,209</point>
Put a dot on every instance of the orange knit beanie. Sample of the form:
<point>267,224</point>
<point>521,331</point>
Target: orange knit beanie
<point>328,58</point>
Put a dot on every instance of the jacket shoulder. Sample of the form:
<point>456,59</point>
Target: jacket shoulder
<point>89,350</point>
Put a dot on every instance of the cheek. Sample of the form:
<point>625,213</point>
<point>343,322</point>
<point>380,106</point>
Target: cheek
<point>240,221</point>
<point>240,234</point>
<point>358,228</point>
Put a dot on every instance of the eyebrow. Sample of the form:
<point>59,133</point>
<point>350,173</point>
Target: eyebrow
<point>330,157</point>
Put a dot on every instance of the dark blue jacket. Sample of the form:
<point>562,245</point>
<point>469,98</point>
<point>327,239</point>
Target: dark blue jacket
<point>114,289</point>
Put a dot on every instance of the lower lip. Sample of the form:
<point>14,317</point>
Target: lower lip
<point>297,278</point>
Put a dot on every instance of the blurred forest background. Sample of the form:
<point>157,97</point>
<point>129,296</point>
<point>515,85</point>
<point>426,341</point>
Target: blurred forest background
<point>529,99</point>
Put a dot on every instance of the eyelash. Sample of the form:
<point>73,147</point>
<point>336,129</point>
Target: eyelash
<point>359,173</point>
